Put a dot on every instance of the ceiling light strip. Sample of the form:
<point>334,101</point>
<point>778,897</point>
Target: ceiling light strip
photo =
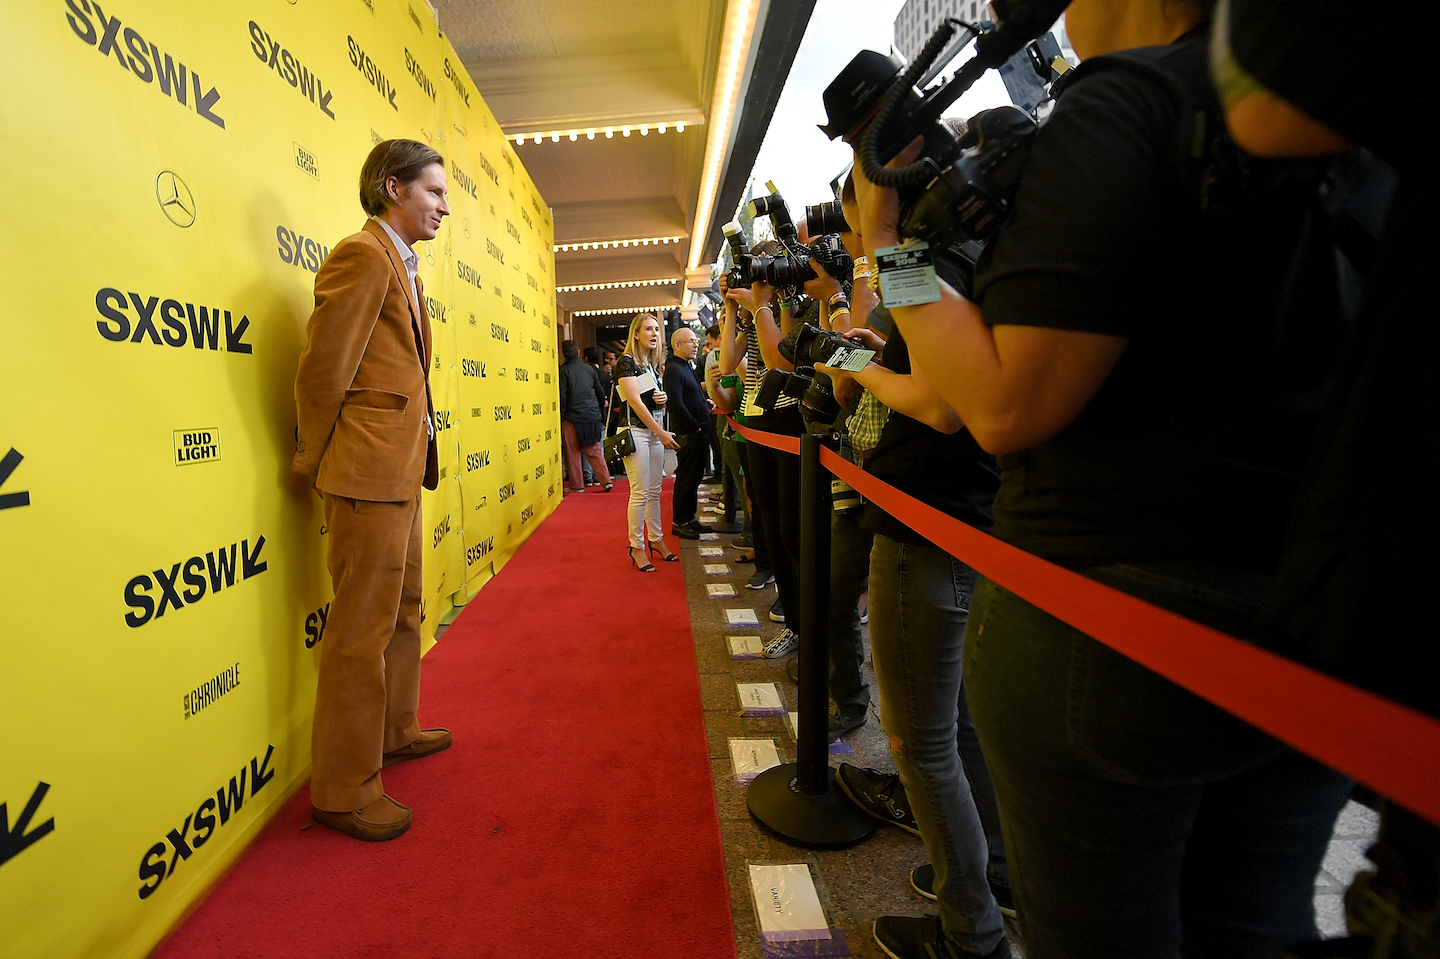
<point>608,132</point>
<point>625,309</point>
<point>734,50</point>
<point>619,284</point>
<point>607,244</point>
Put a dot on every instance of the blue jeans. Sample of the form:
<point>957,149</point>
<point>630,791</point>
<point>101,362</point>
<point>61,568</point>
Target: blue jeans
<point>919,602</point>
<point>1140,820</point>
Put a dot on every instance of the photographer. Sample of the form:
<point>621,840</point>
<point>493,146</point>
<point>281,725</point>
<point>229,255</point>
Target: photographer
<point>775,476</point>
<point>903,433</point>
<point>1113,356</point>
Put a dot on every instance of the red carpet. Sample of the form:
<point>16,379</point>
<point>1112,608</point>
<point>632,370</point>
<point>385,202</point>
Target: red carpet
<point>575,814</point>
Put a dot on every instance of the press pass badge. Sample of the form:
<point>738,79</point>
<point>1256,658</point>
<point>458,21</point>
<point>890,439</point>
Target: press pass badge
<point>907,274</point>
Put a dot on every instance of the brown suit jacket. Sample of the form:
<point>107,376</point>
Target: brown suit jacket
<point>363,389</point>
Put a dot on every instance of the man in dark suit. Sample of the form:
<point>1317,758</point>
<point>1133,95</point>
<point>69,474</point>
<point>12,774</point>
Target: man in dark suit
<point>365,435</point>
<point>689,414</point>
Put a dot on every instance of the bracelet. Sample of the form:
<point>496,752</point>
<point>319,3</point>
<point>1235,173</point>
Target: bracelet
<point>874,282</point>
<point>839,297</point>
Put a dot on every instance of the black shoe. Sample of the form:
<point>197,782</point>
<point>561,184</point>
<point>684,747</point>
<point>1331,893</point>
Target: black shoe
<point>777,612</point>
<point>742,542</point>
<point>879,795</point>
<point>731,526</point>
<point>922,937</point>
<point>845,721</point>
<point>698,526</point>
<point>922,880</point>
<point>760,579</point>
<point>684,532</point>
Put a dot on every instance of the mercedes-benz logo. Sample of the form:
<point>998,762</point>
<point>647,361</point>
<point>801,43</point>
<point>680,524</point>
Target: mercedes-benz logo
<point>175,199</point>
<point>505,452</point>
<point>430,253</point>
<point>466,221</point>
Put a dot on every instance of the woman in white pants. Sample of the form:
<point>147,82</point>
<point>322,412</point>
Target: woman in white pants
<point>637,377</point>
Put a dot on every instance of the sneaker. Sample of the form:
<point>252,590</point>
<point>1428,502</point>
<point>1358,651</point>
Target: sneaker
<point>777,612</point>
<point>922,937</point>
<point>922,880</point>
<point>761,579</point>
<point>865,617</point>
<point>742,542</point>
<point>782,645</point>
<point>879,795</point>
<point>717,508</point>
<point>845,722</point>
<point>684,532</point>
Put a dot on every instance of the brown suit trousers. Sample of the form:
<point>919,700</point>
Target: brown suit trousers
<point>369,687</point>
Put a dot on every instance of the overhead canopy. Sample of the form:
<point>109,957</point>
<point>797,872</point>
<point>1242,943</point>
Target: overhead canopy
<point>694,81</point>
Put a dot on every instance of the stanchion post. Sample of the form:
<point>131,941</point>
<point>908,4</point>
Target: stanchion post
<point>812,747</point>
<point>800,800</point>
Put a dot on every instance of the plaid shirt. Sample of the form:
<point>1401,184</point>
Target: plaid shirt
<point>866,424</point>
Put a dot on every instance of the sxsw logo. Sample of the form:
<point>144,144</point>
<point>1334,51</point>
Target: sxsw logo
<point>498,332</point>
<point>477,460</point>
<point>443,420</point>
<point>475,368</point>
<point>516,303</point>
<point>522,376</point>
<point>15,841</point>
<point>298,250</point>
<point>488,168</point>
<point>179,322</point>
<point>502,413</point>
<point>441,528</point>
<point>305,160</point>
<point>453,75</point>
<point>465,182</point>
<point>468,274</point>
<point>289,68</point>
<point>361,61</point>
<point>418,72</point>
<point>196,446</point>
<point>507,491</point>
<point>315,626</point>
<point>522,445</point>
<point>495,251</point>
<point>479,551</point>
<point>144,61</point>
<point>526,515</point>
<point>179,842</point>
<point>220,565</point>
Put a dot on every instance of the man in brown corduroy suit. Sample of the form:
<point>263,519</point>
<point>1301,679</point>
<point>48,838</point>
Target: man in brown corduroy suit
<point>365,434</point>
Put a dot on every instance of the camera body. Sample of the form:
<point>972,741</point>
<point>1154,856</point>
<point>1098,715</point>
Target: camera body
<point>792,268</point>
<point>960,188</point>
<point>813,389</point>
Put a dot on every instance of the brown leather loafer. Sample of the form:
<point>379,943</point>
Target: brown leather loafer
<point>381,820</point>
<point>430,741</point>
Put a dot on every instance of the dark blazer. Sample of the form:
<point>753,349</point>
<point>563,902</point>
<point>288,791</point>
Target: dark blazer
<point>684,399</point>
<point>362,391</point>
<point>582,398</point>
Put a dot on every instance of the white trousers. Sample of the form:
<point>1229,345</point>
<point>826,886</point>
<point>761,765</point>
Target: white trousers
<point>646,470</point>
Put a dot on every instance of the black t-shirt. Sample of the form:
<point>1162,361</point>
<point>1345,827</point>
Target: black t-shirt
<point>626,366</point>
<point>948,471</point>
<point>1178,455</point>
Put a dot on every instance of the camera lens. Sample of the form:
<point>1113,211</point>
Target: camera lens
<point>828,217</point>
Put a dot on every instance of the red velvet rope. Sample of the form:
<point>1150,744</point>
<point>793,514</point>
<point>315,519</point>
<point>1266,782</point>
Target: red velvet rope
<point>1391,748</point>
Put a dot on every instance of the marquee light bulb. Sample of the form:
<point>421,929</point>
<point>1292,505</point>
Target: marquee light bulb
<point>589,134</point>
<point>626,131</point>
<point>662,128</point>
<point>679,128</point>
<point>644,130</point>
<point>572,136</point>
<point>609,133</point>
<point>554,138</point>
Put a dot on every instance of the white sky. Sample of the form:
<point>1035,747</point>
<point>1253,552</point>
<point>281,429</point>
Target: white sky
<point>796,155</point>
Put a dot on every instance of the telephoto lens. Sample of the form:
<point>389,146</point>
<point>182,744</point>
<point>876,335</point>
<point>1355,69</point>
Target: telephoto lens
<point>827,217</point>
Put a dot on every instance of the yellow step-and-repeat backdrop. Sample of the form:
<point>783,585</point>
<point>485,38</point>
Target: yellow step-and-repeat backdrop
<point>176,173</point>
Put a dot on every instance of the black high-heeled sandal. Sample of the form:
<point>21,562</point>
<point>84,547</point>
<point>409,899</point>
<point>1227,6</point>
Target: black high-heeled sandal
<point>609,487</point>
<point>649,567</point>
<point>666,556</point>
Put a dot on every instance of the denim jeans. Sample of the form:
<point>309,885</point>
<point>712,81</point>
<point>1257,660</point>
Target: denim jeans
<point>849,572</point>
<point>919,602</point>
<point>1140,820</point>
<point>645,470</point>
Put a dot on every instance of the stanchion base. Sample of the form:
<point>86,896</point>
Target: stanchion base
<point>828,819</point>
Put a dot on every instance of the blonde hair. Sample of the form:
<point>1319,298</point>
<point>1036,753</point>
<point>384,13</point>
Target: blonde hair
<point>654,357</point>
